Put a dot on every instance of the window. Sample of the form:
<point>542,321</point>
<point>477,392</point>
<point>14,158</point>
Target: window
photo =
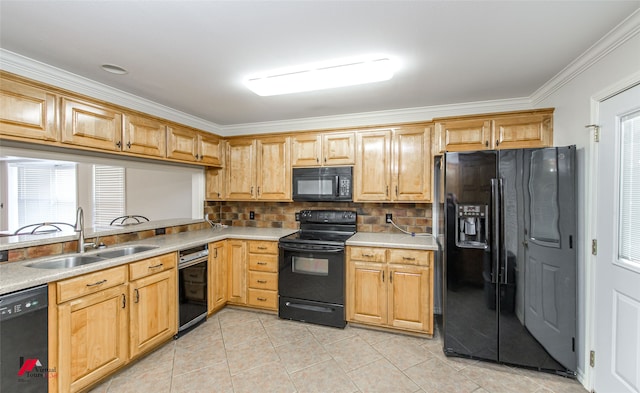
<point>108,194</point>
<point>42,191</point>
<point>629,247</point>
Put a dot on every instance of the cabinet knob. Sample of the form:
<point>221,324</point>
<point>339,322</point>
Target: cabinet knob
<point>128,145</point>
<point>317,160</point>
<point>118,144</point>
<point>486,143</point>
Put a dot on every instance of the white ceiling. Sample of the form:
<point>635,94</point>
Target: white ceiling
<point>193,55</point>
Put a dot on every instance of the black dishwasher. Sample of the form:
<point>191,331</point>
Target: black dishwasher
<point>24,353</point>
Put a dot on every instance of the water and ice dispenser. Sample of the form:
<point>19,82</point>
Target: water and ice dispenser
<point>472,227</point>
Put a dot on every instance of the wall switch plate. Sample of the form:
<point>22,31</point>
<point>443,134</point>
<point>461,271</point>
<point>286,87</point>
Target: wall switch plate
<point>160,231</point>
<point>388,217</point>
<point>252,215</point>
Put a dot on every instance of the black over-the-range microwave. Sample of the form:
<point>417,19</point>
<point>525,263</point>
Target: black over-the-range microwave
<point>323,184</point>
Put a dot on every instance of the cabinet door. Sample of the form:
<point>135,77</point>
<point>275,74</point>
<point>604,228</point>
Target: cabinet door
<point>463,135</point>
<point>368,295</point>
<point>412,164</point>
<point>91,125</point>
<point>373,167</point>
<point>339,149</point>
<point>409,298</point>
<point>210,147</point>
<point>215,184</point>
<point>237,271</point>
<point>27,111</point>
<point>144,135</point>
<point>273,169</point>
<point>154,317</point>
<point>240,169</point>
<point>182,143</point>
<point>92,338</point>
<point>306,150</point>
<point>217,276</point>
<point>523,131</point>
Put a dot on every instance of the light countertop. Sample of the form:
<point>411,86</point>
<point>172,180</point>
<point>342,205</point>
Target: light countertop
<point>15,276</point>
<point>393,240</point>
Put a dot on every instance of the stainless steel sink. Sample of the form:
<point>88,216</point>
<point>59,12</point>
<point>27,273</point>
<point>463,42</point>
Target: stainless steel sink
<point>66,262</point>
<point>119,252</point>
<point>79,260</point>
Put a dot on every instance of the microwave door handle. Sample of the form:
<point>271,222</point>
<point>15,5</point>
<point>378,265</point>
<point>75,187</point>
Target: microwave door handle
<point>337,186</point>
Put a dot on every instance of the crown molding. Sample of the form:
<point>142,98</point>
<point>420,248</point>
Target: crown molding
<point>620,34</point>
<point>41,72</point>
<point>362,119</point>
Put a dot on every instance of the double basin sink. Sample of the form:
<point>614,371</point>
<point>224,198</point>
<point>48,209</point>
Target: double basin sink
<point>80,259</point>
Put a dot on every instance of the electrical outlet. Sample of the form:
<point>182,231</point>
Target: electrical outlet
<point>298,216</point>
<point>388,217</point>
<point>252,215</point>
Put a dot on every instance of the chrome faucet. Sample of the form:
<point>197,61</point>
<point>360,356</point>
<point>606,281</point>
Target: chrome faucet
<point>79,227</point>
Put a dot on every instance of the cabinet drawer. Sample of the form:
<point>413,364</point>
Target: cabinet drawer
<point>90,283</point>
<point>263,280</point>
<point>263,247</point>
<point>263,262</point>
<point>263,298</point>
<point>368,254</point>
<point>150,266</point>
<point>410,257</point>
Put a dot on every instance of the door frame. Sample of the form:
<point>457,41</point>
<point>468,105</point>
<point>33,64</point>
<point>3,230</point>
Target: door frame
<point>591,203</point>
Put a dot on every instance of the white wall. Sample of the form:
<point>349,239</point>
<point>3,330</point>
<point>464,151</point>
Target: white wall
<point>159,194</point>
<point>573,112</point>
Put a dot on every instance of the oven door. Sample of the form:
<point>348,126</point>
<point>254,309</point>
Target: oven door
<point>312,274</point>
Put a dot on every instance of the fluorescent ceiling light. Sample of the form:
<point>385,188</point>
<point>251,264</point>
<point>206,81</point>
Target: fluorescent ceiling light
<point>322,76</point>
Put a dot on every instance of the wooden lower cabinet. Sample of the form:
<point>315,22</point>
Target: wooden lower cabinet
<point>93,332</point>
<point>383,292</point>
<point>236,272</point>
<point>217,285</point>
<point>153,316</point>
<point>262,275</point>
<point>99,321</point>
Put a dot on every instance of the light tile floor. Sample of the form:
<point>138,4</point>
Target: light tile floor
<point>244,351</point>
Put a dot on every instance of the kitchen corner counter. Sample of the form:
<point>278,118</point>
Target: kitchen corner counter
<point>393,240</point>
<point>15,276</point>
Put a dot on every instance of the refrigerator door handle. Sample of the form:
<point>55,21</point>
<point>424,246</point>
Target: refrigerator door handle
<point>495,229</point>
<point>502,251</point>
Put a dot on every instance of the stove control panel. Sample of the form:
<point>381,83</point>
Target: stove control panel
<point>328,216</point>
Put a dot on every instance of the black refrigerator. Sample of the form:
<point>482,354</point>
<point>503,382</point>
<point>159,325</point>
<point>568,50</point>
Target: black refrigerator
<point>510,257</point>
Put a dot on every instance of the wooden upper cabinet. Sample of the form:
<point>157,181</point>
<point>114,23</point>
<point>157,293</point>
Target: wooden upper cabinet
<point>211,148</point>
<point>525,131</point>
<point>240,169</point>
<point>464,135</point>
<point>215,184</point>
<point>91,125</point>
<point>182,143</point>
<point>273,173</point>
<point>373,166</point>
<point>258,169</point>
<point>514,130</point>
<point>323,149</point>
<point>186,144</point>
<point>144,135</point>
<point>412,164</point>
<point>27,111</point>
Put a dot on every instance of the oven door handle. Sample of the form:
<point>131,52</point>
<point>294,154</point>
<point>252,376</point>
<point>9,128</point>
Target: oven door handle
<point>196,261</point>
<point>302,248</point>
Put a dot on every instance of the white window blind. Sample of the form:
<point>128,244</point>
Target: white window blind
<point>629,239</point>
<point>46,192</point>
<point>108,194</point>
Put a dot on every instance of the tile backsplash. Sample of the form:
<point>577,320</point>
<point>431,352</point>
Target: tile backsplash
<point>412,217</point>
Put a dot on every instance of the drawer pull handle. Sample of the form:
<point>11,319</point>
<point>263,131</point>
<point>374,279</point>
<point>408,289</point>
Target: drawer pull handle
<point>261,281</point>
<point>156,266</point>
<point>262,248</point>
<point>408,259</point>
<point>124,301</point>
<point>262,299</point>
<point>97,283</point>
<point>367,255</point>
<point>262,263</point>
<point>137,295</point>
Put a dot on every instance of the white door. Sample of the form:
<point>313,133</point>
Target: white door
<point>617,292</point>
